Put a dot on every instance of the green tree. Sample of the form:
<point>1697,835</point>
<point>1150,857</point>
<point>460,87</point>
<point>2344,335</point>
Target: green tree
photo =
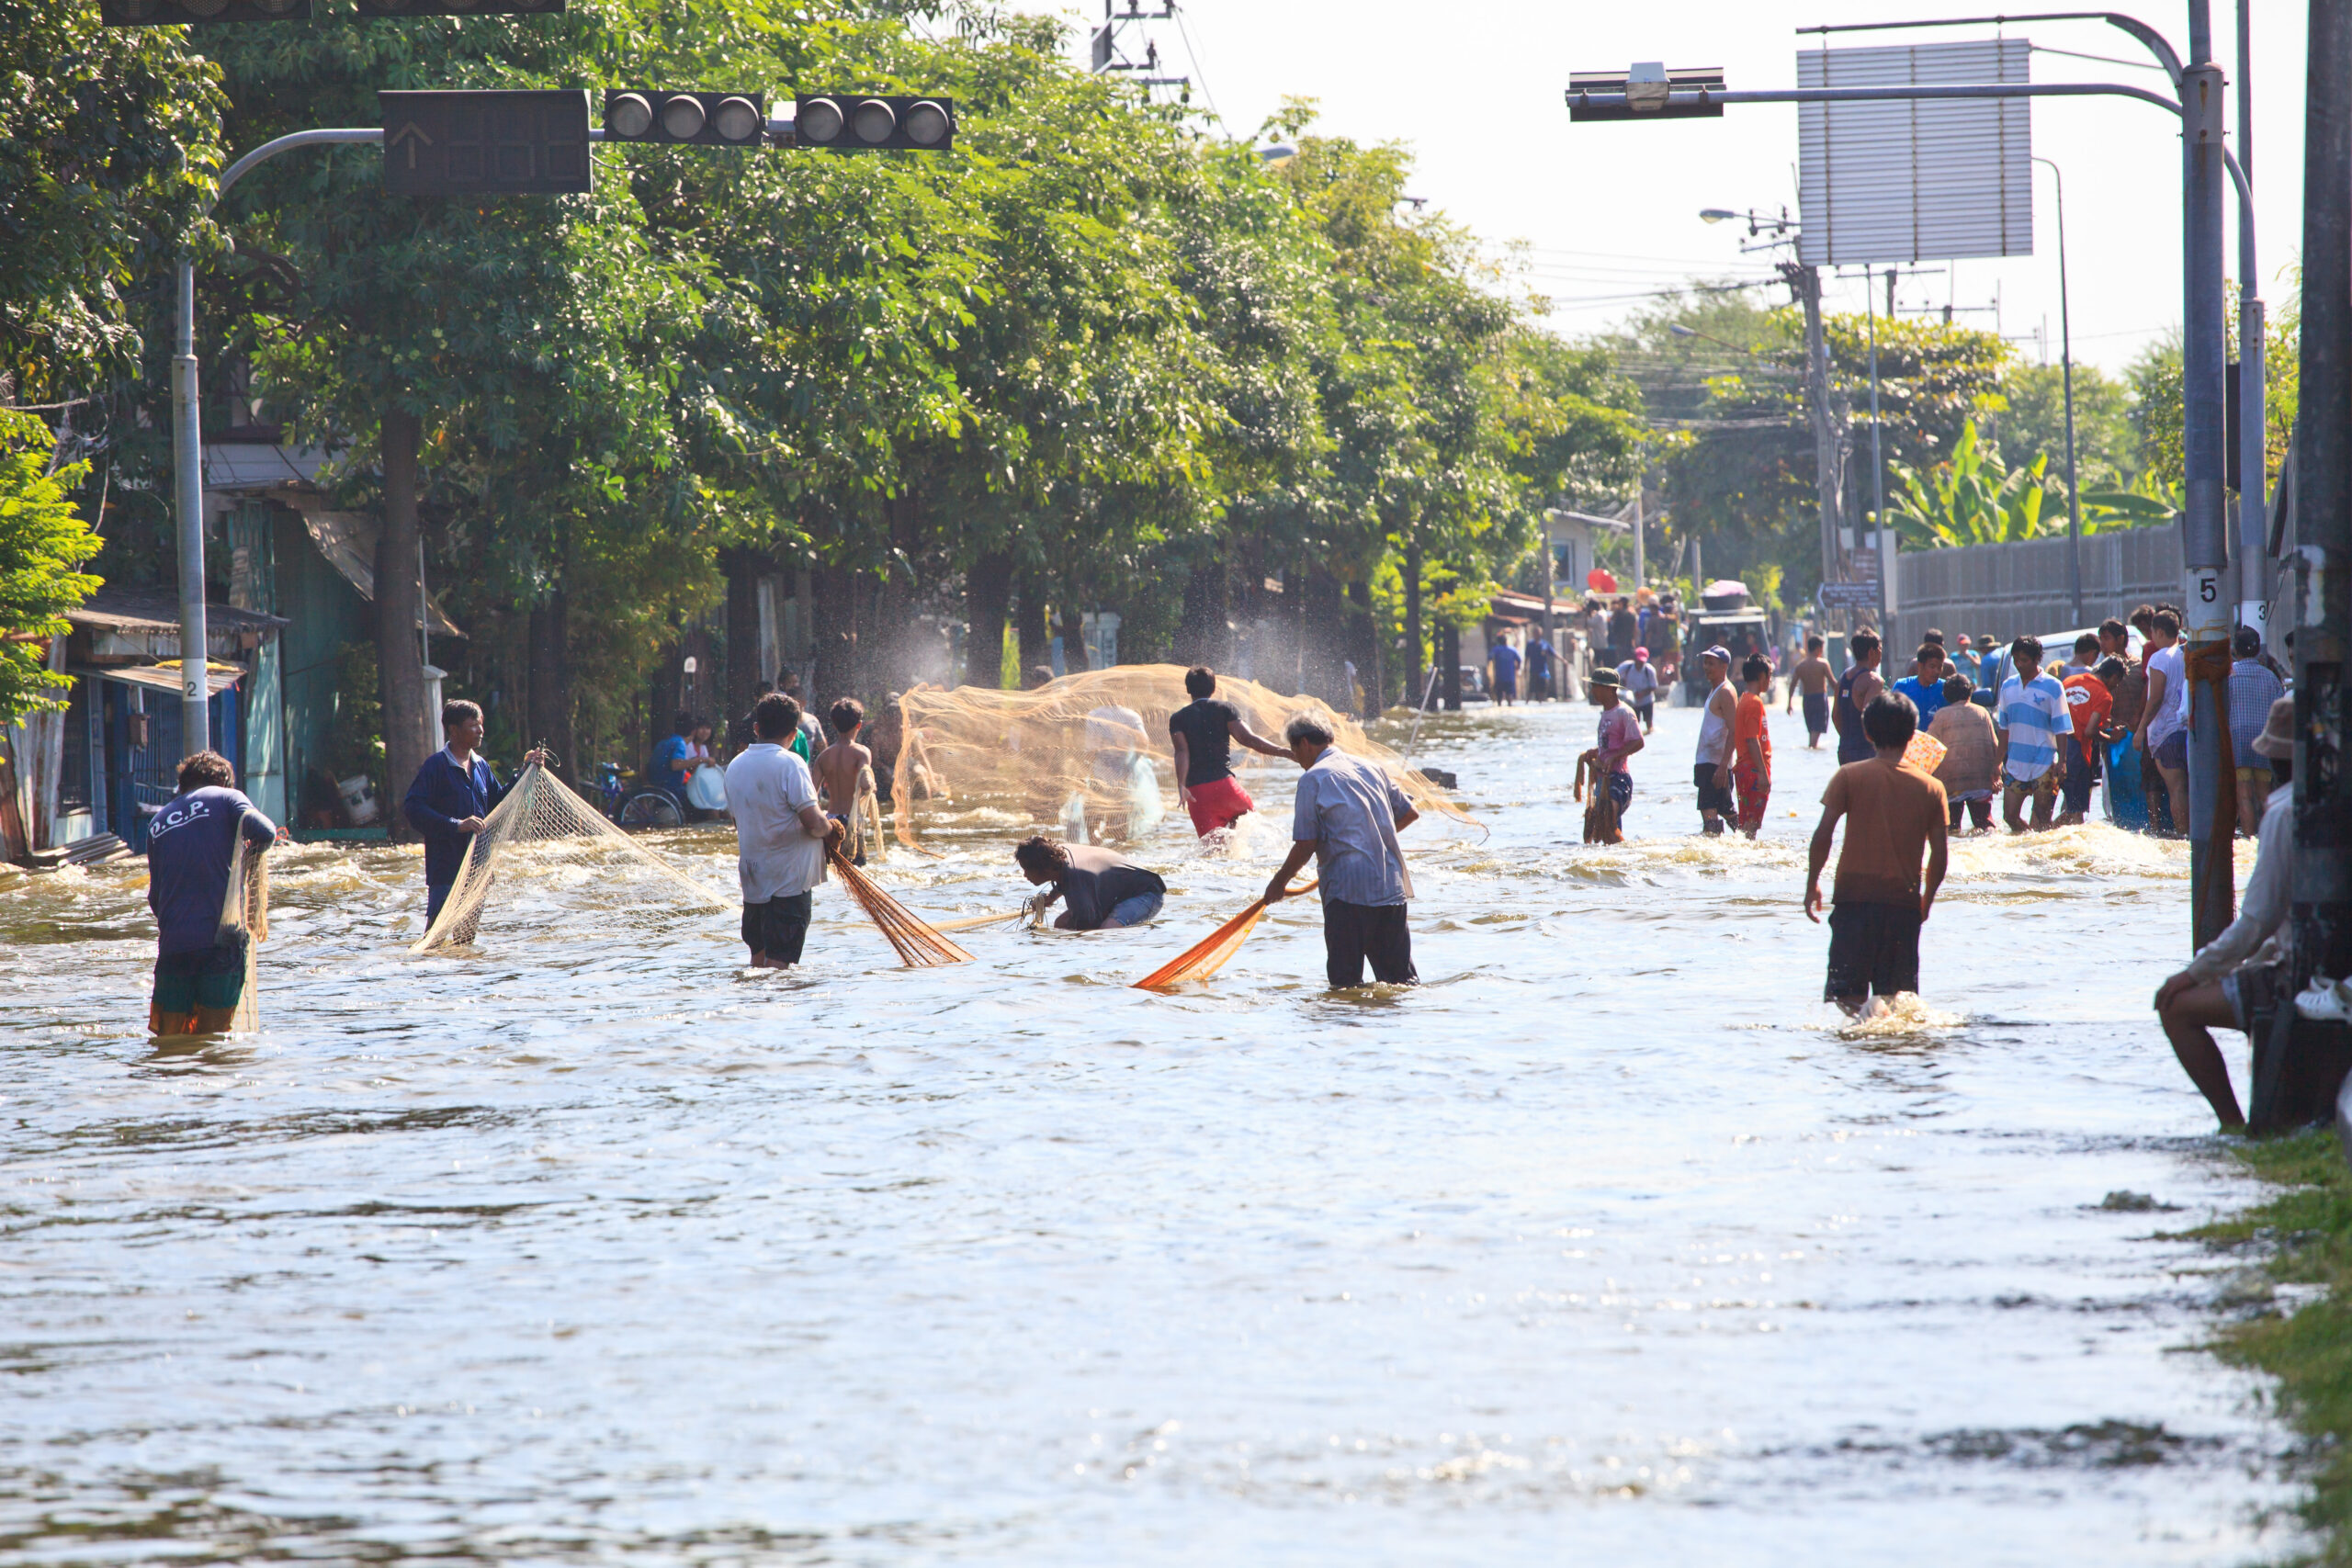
<point>43,543</point>
<point>109,138</point>
<point>2106,448</point>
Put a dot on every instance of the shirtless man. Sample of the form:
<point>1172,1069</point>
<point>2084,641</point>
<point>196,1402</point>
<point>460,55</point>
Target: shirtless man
<point>841,769</point>
<point>1812,677</point>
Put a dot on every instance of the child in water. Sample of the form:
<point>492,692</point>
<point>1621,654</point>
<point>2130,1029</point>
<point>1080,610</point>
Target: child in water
<point>844,773</point>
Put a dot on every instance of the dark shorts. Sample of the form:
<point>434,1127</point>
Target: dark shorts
<point>1712,798</point>
<point>1873,950</point>
<point>1816,713</point>
<point>2254,994</point>
<point>1645,709</point>
<point>777,928</point>
<point>1621,790</point>
<point>208,978</point>
<point>2173,751</point>
<point>1353,932</point>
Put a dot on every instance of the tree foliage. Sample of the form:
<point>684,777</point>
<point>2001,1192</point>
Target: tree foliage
<point>44,543</point>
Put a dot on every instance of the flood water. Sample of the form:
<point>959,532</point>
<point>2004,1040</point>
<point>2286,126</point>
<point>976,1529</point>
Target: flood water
<point>1609,1243</point>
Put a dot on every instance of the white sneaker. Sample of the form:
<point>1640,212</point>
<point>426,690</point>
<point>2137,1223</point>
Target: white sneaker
<point>2326,1001</point>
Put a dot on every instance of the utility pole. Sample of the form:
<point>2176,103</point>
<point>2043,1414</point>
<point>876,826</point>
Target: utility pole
<point>1878,456</point>
<point>2322,865</point>
<point>1805,282</point>
<point>2204,522</point>
<point>2253,471</point>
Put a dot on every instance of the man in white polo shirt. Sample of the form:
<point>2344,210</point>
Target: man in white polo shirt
<point>781,834</point>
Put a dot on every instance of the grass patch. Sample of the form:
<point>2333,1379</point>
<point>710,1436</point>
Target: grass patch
<point>2302,1236</point>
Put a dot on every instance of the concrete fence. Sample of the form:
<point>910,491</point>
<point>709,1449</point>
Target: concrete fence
<point>2022,588</point>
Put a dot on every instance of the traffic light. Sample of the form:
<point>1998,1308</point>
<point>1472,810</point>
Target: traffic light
<point>853,122</point>
<point>457,7</point>
<point>496,142</point>
<point>709,119</point>
<point>169,13</point>
<point>1647,92</point>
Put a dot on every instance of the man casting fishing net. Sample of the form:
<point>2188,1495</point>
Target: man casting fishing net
<point>1346,816</point>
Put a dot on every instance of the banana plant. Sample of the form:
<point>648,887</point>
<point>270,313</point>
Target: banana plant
<point>1973,499</point>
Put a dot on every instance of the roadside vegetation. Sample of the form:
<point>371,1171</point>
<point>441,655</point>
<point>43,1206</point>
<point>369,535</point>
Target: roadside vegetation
<point>2300,1237</point>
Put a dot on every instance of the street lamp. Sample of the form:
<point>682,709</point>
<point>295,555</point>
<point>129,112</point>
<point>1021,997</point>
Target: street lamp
<point>2066,361</point>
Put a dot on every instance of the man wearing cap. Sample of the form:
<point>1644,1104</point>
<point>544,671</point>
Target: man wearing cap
<point>2239,979</point>
<point>1712,768</point>
<point>1619,738</point>
<point>1637,679</point>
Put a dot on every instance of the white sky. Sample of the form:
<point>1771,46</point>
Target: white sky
<point>1474,87</point>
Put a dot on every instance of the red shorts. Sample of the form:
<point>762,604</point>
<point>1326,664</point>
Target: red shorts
<point>1755,789</point>
<point>1217,804</point>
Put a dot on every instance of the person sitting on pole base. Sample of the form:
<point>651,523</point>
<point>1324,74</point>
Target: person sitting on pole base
<point>1106,892</point>
<point>1893,811</point>
<point>2238,977</point>
<point>1346,818</point>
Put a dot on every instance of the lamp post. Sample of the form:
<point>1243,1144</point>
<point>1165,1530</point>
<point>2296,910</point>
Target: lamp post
<point>2067,363</point>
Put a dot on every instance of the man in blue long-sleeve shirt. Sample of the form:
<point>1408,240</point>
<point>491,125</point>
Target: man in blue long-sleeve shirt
<point>452,794</point>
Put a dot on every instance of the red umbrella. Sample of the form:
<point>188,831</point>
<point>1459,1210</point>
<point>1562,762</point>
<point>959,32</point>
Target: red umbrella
<point>1600,581</point>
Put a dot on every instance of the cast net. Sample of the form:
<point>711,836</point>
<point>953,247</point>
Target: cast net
<point>543,833</point>
<point>1089,755</point>
<point>1209,954</point>
<point>245,922</point>
<point>919,946</point>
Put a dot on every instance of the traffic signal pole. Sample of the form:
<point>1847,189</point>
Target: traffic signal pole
<point>2204,518</point>
<point>187,431</point>
<point>188,449</point>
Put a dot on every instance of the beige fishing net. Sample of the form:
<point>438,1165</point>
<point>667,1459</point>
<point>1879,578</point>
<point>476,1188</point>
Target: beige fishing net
<point>1090,753</point>
<point>246,913</point>
<point>542,830</point>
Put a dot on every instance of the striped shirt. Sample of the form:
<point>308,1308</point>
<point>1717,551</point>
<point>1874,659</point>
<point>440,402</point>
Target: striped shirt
<point>2253,689</point>
<point>2033,715</point>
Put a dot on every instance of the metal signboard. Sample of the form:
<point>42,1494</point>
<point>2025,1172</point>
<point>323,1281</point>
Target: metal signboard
<point>167,13</point>
<point>1902,181</point>
<point>458,7</point>
<point>1849,596</point>
<point>522,142</point>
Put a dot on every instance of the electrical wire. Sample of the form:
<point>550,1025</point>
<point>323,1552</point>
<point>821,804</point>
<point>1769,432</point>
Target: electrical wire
<point>1199,71</point>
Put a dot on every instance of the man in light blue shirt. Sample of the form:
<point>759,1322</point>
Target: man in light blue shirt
<point>1346,816</point>
<point>2033,723</point>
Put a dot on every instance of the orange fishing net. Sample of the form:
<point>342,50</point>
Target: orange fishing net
<point>1090,754</point>
<point>919,946</point>
<point>1206,958</point>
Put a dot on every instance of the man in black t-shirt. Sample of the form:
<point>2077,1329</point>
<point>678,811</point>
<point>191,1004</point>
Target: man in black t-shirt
<point>1204,731</point>
<point>1103,891</point>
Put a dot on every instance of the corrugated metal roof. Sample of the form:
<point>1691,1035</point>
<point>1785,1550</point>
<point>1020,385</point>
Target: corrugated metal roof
<point>1915,181</point>
<point>142,612</point>
<point>348,541</point>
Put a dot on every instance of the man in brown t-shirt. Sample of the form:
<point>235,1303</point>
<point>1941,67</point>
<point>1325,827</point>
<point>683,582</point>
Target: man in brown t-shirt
<point>1892,812</point>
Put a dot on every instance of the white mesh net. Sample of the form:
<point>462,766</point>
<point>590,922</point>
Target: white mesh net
<point>245,920</point>
<point>543,831</point>
<point>1090,754</point>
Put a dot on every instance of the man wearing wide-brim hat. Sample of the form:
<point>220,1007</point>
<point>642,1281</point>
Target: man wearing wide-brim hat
<point>2241,977</point>
<point>1620,737</point>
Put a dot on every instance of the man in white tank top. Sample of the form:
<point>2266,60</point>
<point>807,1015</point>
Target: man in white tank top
<point>1711,772</point>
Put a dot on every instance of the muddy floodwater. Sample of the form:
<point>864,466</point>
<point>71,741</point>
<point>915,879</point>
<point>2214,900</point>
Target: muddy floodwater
<point>1609,1243</point>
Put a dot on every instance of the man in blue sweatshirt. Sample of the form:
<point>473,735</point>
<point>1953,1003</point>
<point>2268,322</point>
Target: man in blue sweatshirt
<point>451,795</point>
<point>191,845</point>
